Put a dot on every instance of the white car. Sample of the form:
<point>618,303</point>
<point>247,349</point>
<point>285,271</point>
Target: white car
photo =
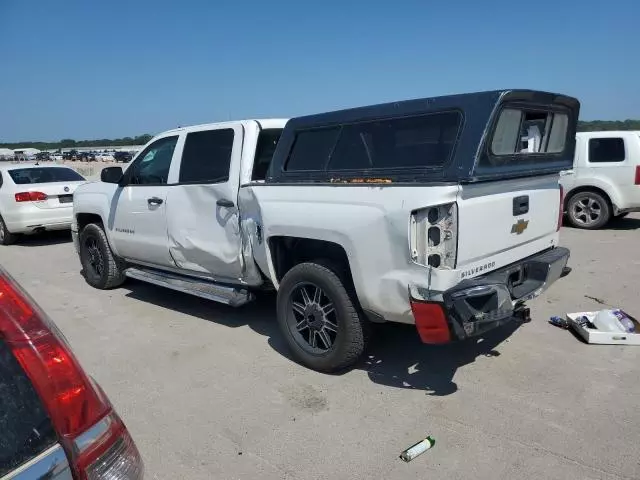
<point>35,198</point>
<point>605,179</point>
<point>105,157</point>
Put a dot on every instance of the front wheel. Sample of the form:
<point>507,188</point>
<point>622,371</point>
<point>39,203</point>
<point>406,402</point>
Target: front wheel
<point>319,318</point>
<point>589,210</point>
<point>101,267</point>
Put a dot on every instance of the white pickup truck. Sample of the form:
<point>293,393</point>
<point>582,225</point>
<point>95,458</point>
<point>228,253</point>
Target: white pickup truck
<point>441,212</point>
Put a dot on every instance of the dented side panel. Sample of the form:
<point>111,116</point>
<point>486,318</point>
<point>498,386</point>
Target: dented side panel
<point>371,222</point>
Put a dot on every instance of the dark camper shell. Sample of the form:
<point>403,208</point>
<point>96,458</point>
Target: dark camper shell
<point>456,138</point>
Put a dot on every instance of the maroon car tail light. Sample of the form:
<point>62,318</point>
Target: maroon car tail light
<point>637,179</point>
<point>95,440</point>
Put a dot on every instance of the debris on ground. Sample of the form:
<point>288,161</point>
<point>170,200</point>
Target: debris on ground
<point>606,327</point>
<point>418,449</point>
<point>596,299</point>
<point>559,322</point>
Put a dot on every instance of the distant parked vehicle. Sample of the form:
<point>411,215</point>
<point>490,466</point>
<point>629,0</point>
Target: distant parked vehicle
<point>71,155</point>
<point>105,157</point>
<point>57,157</point>
<point>43,157</point>
<point>34,198</point>
<point>604,182</point>
<point>87,156</point>
<point>57,423</point>
<point>122,156</point>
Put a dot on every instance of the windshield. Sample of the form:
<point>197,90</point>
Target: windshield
<point>26,176</point>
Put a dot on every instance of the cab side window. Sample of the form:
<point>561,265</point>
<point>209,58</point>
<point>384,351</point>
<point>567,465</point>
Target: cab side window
<point>152,166</point>
<point>207,156</point>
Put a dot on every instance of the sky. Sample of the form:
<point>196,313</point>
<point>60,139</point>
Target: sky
<point>86,69</point>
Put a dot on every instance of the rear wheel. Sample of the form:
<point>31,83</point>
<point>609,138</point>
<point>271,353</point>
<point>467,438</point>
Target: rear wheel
<point>102,269</point>
<point>589,210</point>
<point>6,237</point>
<point>319,318</point>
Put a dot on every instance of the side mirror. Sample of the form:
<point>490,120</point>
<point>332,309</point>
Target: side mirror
<point>111,175</point>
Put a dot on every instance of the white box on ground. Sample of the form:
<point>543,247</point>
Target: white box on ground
<point>593,335</point>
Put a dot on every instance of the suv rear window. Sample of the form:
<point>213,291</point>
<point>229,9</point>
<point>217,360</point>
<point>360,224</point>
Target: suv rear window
<point>606,150</point>
<point>25,176</point>
<point>25,428</point>
<point>395,143</point>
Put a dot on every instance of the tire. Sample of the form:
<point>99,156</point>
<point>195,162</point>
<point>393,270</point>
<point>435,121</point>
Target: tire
<point>343,327</point>
<point>6,237</point>
<point>589,210</point>
<point>102,269</point>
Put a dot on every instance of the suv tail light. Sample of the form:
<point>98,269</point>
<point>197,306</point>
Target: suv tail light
<point>96,441</point>
<point>433,233</point>
<point>30,196</point>
<point>561,211</point>
<point>637,181</point>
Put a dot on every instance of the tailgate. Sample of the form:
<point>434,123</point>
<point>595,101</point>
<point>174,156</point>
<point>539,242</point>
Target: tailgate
<point>503,221</point>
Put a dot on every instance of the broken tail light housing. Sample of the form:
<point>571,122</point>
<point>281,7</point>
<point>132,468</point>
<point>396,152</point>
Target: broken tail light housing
<point>30,196</point>
<point>95,440</point>
<point>431,322</point>
<point>433,236</point>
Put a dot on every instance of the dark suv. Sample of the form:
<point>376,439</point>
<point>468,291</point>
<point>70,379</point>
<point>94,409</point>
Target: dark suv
<point>122,156</point>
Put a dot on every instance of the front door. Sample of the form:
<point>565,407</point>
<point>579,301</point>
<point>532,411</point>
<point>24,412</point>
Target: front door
<point>139,224</point>
<point>202,211</point>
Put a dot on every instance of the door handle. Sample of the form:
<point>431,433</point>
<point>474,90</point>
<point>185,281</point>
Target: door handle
<point>154,201</point>
<point>520,205</point>
<point>223,202</point>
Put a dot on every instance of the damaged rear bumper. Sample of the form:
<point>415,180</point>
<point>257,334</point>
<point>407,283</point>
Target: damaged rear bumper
<point>477,305</point>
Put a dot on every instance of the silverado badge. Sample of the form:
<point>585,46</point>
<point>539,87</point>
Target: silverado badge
<point>520,226</point>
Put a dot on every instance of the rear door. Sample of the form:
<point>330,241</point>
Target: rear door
<point>514,213</point>
<point>613,157</point>
<point>202,212</point>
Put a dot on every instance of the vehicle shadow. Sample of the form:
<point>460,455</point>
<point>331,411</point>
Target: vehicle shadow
<point>44,238</point>
<point>258,315</point>
<point>626,223</point>
<point>396,357</point>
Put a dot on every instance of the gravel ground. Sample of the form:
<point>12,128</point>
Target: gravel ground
<point>209,392</point>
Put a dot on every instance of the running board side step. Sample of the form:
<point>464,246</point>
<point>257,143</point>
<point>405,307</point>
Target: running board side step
<point>232,296</point>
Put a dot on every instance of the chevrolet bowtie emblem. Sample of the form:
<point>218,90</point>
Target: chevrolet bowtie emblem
<point>520,226</point>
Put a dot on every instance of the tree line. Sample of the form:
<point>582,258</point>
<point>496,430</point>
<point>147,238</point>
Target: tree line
<point>70,143</point>
<point>583,126</point>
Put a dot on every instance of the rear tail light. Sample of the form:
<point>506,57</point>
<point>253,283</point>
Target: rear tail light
<point>637,181</point>
<point>561,209</point>
<point>93,436</point>
<point>433,233</point>
<point>30,196</point>
<point>431,322</point>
